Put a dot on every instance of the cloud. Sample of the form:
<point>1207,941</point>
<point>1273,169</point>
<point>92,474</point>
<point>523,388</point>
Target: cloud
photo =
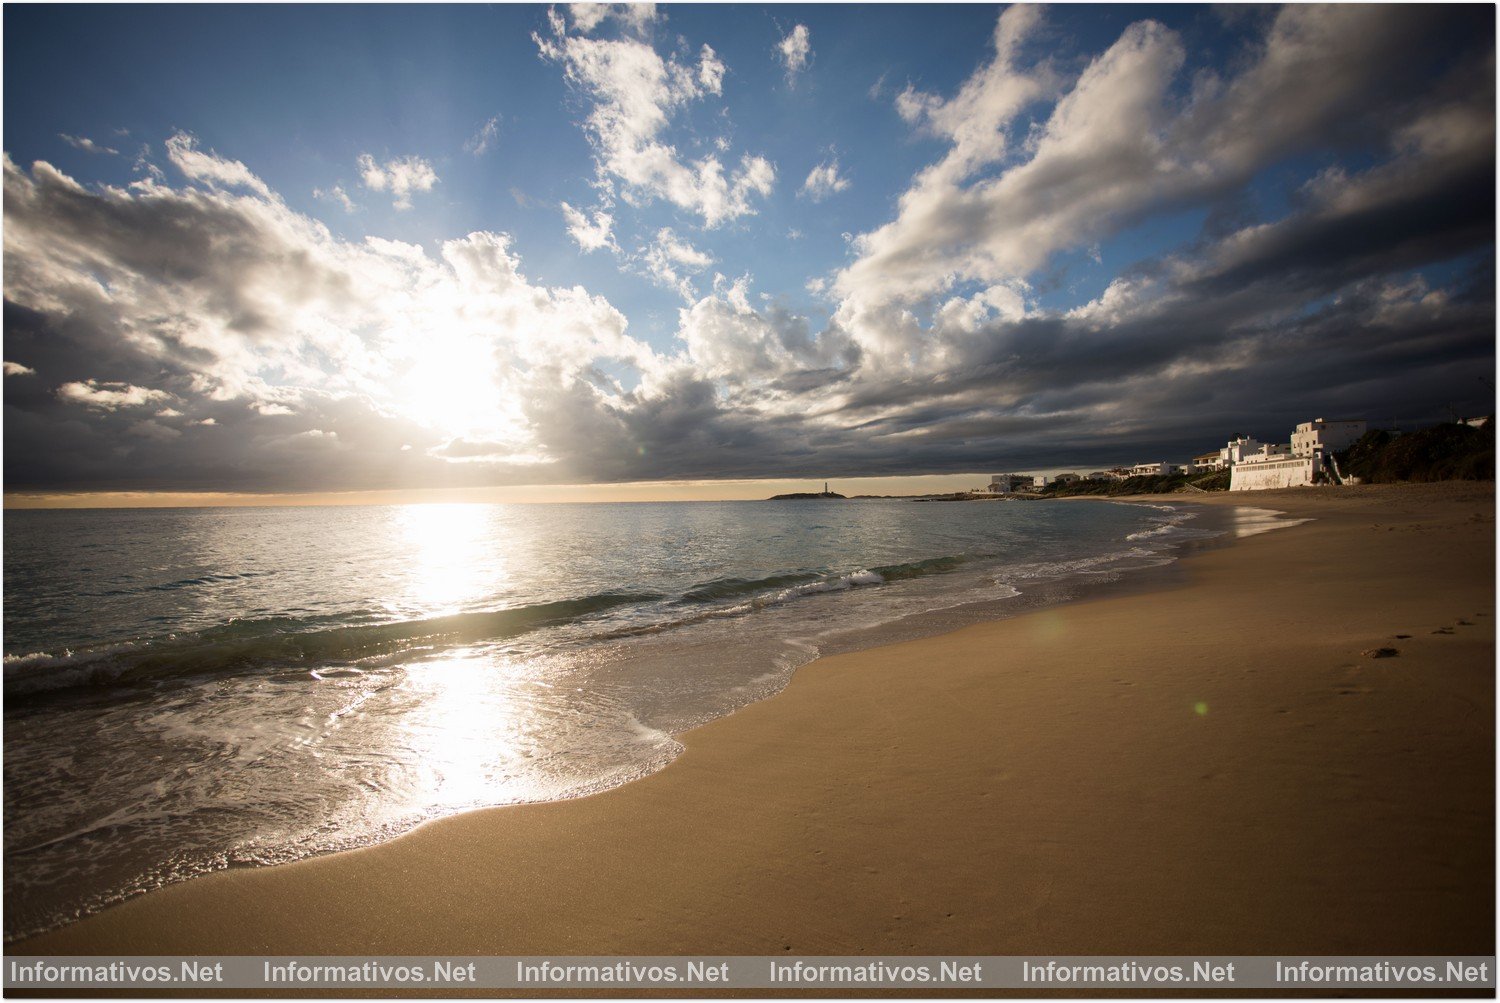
<point>16,369</point>
<point>728,338</point>
<point>671,261</point>
<point>795,50</point>
<point>634,94</point>
<point>109,396</point>
<point>210,168</point>
<point>85,144</point>
<point>824,180</point>
<point>1365,287</point>
<point>590,234</point>
<point>1115,147</point>
<point>401,176</point>
<point>336,195</point>
<point>481,142</point>
<point>636,17</point>
<point>255,322</point>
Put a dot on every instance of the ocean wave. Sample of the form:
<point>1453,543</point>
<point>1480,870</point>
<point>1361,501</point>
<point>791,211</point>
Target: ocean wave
<point>1146,534</point>
<point>278,642</point>
<point>725,598</point>
<point>807,582</point>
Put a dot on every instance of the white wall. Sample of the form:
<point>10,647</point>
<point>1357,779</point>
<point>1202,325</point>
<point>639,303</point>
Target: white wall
<point>1288,473</point>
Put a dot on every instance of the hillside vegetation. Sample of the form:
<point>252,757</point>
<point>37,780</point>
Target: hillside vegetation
<point>1440,453</point>
<point>1145,485</point>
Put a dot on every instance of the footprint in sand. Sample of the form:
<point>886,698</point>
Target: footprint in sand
<point>1381,653</point>
<point>1445,630</point>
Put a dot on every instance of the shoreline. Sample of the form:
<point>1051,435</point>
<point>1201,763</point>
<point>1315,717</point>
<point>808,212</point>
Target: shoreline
<point>1144,571</point>
<point>1057,800</point>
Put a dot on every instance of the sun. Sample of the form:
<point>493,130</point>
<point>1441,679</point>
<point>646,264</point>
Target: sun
<point>453,385</point>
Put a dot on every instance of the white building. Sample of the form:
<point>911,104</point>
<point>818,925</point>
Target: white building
<point>1209,461</point>
<point>1151,470</point>
<point>1320,436</point>
<point>1238,448</point>
<point>1002,484</point>
<point>1267,451</point>
<point>1066,478</point>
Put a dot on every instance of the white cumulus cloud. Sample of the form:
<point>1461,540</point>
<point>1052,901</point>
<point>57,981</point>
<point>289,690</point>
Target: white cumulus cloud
<point>210,168</point>
<point>401,176</point>
<point>590,233</point>
<point>109,396</point>
<point>795,51</point>
<point>671,261</point>
<point>635,93</point>
<point>824,180</point>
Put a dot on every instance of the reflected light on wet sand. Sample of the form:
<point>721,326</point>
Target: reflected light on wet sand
<point>1242,521</point>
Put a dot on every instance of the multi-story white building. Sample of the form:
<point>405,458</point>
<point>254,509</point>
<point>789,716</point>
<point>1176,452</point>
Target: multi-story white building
<point>1151,470</point>
<point>1267,451</point>
<point>1209,461</point>
<point>1322,436</point>
<point>1002,484</point>
<point>1238,448</point>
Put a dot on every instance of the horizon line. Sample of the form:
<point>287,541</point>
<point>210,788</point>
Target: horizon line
<point>736,489</point>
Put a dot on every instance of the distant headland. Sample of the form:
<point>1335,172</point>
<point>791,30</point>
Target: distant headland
<point>809,495</point>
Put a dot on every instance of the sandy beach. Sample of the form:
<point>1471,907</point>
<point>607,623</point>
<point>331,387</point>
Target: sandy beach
<point>1217,765</point>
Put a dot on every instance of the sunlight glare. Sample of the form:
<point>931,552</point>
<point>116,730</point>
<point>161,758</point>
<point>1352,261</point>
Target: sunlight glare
<point>454,560</point>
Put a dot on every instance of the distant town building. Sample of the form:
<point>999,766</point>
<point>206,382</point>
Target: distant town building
<point>1151,470</point>
<point>1001,484</point>
<point>1040,481</point>
<point>1209,461</point>
<point>1066,478</point>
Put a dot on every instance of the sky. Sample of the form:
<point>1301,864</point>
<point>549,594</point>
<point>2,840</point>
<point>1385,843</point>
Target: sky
<point>339,251</point>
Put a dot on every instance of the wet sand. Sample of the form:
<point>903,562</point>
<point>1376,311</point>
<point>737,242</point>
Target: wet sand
<point>1222,765</point>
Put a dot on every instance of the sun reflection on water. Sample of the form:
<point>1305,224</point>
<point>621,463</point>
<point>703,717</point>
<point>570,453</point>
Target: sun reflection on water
<point>468,731</point>
<point>455,559</point>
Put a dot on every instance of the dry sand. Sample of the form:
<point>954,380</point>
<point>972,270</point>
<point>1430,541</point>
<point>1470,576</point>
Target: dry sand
<point>1045,784</point>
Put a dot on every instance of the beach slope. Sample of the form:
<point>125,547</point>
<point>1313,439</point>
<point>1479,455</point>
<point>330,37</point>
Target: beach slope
<point>1220,765</point>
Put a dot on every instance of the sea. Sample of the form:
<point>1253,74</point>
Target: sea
<point>188,690</point>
